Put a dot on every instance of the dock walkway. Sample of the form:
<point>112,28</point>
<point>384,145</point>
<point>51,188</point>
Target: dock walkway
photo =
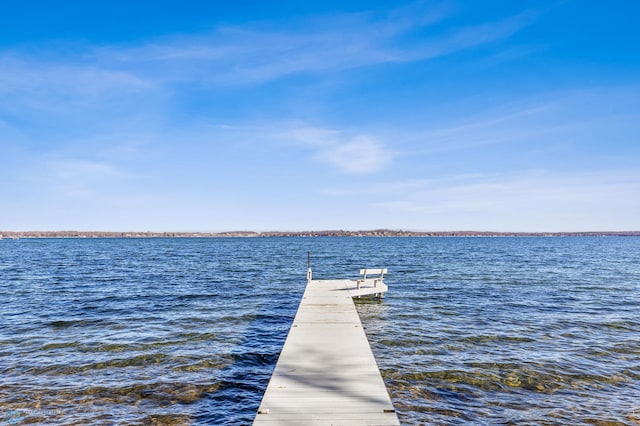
<point>326,373</point>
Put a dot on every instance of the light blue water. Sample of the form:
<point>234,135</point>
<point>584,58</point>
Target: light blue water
<point>187,331</point>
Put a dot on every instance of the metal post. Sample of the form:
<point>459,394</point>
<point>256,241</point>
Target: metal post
<point>309,274</point>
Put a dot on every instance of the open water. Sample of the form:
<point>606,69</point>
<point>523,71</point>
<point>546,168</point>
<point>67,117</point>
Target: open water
<point>187,331</point>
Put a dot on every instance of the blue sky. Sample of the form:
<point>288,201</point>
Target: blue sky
<point>213,116</point>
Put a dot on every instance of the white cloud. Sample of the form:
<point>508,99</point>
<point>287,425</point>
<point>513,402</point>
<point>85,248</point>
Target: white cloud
<point>357,154</point>
<point>524,201</point>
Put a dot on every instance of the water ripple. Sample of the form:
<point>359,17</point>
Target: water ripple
<point>188,331</point>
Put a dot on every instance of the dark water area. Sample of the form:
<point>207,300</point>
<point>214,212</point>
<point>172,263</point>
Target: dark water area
<point>539,330</point>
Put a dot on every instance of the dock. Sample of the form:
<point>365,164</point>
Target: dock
<point>326,373</point>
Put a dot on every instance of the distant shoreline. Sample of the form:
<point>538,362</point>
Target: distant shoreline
<point>326,233</point>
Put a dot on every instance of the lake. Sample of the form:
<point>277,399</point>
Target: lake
<point>509,330</point>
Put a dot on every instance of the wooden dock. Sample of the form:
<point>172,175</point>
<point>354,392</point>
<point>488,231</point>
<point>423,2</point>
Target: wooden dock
<point>326,373</point>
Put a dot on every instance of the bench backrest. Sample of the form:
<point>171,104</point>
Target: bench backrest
<point>368,271</point>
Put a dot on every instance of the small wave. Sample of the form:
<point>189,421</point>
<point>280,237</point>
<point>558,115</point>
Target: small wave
<point>254,359</point>
<point>57,324</point>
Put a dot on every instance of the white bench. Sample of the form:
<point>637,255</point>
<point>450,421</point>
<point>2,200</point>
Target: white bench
<point>369,271</point>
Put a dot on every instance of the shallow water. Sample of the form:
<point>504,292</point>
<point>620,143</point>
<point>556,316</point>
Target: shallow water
<point>187,331</point>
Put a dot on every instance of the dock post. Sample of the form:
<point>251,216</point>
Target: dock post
<point>309,273</point>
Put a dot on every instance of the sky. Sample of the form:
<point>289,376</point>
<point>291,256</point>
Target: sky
<point>288,115</point>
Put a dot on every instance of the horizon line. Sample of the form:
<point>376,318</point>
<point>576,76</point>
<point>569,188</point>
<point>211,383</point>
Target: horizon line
<point>324,232</point>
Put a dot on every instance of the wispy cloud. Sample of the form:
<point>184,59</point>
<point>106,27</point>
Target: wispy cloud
<point>251,54</point>
<point>255,53</point>
<point>64,97</point>
<point>358,153</point>
<point>71,89</point>
<point>361,154</point>
<point>26,79</point>
<point>465,38</point>
<point>79,177</point>
<point>604,199</point>
<point>548,121</point>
